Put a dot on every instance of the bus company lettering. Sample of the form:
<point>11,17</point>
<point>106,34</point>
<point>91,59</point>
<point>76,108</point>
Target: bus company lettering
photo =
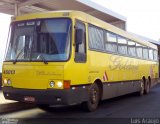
<point>9,71</point>
<point>117,63</point>
<point>47,73</point>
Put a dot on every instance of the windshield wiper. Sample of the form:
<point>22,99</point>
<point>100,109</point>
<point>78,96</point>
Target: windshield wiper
<point>42,57</point>
<point>14,62</point>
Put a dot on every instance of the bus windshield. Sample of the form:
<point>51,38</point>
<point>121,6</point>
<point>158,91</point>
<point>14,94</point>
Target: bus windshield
<point>39,40</point>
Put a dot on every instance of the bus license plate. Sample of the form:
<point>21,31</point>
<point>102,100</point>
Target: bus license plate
<point>29,99</point>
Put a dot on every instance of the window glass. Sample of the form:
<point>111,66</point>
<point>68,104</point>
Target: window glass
<point>39,40</point>
<point>151,54</point>
<point>145,52</point>
<point>51,26</point>
<point>111,42</point>
<point>111,37</point>
<point>131,48</point>
<point>155,55</point>
<point>139,50</point>
<point>96,40</point>
<point>20,44</point>
<point>122,45</point>
<point>80,49</point>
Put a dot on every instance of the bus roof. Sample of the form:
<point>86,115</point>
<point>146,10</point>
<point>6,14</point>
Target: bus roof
<point>86,18</point>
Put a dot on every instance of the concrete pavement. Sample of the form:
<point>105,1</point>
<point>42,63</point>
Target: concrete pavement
<point>125,106</point>
<point>3,100</point>
<point>128,106</point>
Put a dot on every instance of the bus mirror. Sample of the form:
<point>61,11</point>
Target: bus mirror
<point>79,36</point>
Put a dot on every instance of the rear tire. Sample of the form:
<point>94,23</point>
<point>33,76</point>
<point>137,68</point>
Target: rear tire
<point>147,87</point>
<point>141,92</point>
<point>93,100</point>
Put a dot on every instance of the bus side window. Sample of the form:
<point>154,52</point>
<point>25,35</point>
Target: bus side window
<point>151,54</point>
<point>145,52</point>
<point>139,50</point>
<point>122,45</point>
<point>155,55</point>
<point>131,48</point>
<point>111,42</point>
<point>96,38</point>
<point>80,49</point>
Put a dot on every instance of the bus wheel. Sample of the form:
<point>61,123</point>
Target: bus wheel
<point>93,100</point>
<point>141,92</point>
<point>147,87</point>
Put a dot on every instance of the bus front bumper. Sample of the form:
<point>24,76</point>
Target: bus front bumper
<point>48,96</point>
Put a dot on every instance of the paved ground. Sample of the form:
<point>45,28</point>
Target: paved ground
<point>8,106</point>
<point>129,106</point>
<point>3,100</point>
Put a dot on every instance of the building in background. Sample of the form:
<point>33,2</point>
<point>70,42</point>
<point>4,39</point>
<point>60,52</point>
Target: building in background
<point>18,7</point>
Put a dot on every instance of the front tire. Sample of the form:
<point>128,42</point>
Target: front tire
<point>93,100</point>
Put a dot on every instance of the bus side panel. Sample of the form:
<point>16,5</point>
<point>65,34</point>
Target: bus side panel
<point>120,74</point>
<point>111,90</point>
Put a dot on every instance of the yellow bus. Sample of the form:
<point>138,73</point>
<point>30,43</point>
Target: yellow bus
<point>70,57</point>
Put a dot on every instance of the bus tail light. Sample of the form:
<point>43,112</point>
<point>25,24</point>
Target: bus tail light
<point>66,84</point>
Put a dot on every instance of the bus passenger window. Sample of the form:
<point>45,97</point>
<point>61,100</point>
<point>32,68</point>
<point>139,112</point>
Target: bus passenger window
<point>95,38</point>
<point>122,45</point>
<point>155,53</point>
<point>139,50</point>
<point>131,48</point>
<point>151,54</point>
<point>145,52</point>
<point>111,42</point>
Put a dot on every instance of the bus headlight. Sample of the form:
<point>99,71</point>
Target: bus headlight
<point>52,84</point>
<point>9,82</point>
<point>5,81</point>
<point>59,84</point>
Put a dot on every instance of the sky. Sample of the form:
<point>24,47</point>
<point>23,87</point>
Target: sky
<point>143,18</point>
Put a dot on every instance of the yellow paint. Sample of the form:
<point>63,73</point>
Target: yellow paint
<point>37,75</point>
